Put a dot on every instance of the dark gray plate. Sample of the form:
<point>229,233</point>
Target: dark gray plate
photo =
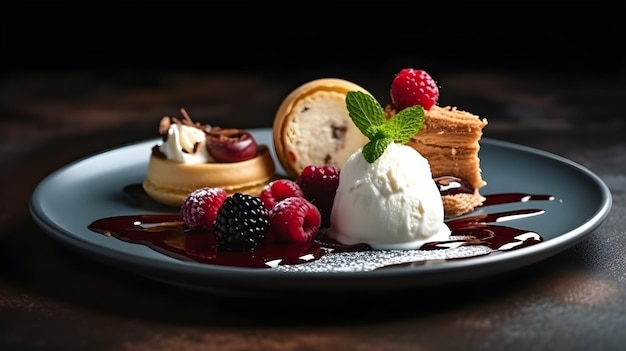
<point>68,200</point>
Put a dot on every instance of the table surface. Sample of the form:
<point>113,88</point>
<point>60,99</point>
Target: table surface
<point>52,297</point>
<point>50,294</point>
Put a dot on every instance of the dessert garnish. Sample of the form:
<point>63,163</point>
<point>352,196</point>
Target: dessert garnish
<point>231,145</point>
<point>413,87</point>
<point>318,184</point>
<point>199,210</point>
<point>191,142</point>
<point>241,223</point>
<point>369,116</point>
<point>294,220</point>
<point>279,189</point>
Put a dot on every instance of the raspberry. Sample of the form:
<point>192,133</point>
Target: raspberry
<point>241,223</point>
<point>199,209</point>
<point>319,185</point>
<point>294,219</point>
<point>413,87</point>
<point>278,190</point>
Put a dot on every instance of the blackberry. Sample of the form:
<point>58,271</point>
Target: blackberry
<point>241,224</point>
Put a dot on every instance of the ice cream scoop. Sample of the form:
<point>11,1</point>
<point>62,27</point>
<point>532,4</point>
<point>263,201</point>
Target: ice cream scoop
<point>391,203</point>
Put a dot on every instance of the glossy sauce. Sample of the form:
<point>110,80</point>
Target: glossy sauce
<point>166,234</point>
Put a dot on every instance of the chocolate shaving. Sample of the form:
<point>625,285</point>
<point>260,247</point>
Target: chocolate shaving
<point>164,125</point>
<point>189,122</point>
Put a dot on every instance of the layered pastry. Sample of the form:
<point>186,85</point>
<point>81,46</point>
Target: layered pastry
<point>450,140</point>
<point>193,155</point>
<point>312,126</point>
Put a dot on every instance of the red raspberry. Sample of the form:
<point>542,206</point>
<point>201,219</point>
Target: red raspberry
<point>294,219</point>
<point>278,190</point>
<point>199,209</point>
<point>319,185</point>
<point>413,87</point>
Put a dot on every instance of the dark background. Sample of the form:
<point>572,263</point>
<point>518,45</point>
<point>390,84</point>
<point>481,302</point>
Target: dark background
<point>579,38</point>
<point>80,80</point>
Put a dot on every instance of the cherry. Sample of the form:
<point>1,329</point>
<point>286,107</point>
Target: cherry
<point>231,145</point>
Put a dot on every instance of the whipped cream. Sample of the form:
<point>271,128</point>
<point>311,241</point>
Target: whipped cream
<point>392,203</point>
<point>186,144</point>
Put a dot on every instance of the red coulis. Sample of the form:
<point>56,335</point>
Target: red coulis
<point>167,234</point>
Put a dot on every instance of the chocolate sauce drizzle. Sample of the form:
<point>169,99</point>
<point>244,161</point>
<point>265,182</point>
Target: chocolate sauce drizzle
<point>471,236</point>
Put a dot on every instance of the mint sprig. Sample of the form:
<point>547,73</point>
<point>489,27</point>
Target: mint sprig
<point>369,116</point>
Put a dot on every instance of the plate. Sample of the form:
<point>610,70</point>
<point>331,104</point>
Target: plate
<point>69,199</point>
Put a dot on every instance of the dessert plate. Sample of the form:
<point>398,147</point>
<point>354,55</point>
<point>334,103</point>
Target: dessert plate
<point>68,200</point>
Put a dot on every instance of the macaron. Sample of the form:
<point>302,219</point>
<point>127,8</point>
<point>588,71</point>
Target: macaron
<point>312,126</point>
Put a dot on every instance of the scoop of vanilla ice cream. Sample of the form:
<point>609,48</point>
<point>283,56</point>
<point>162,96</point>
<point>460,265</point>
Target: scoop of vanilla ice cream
<point>185,144</point>
<point>392,203</point>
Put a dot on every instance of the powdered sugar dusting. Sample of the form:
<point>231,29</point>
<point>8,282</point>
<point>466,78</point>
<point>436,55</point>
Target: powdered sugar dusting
<point>362,261</point>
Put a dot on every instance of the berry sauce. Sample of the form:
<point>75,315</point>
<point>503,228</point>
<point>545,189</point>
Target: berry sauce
<point>166,233</point>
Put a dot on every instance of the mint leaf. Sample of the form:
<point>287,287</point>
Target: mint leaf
<point>405,124</point>
<point>366,113</point>
<point>375,148</point>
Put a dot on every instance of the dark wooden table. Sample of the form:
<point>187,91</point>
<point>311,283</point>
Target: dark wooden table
<point>52,297</point>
